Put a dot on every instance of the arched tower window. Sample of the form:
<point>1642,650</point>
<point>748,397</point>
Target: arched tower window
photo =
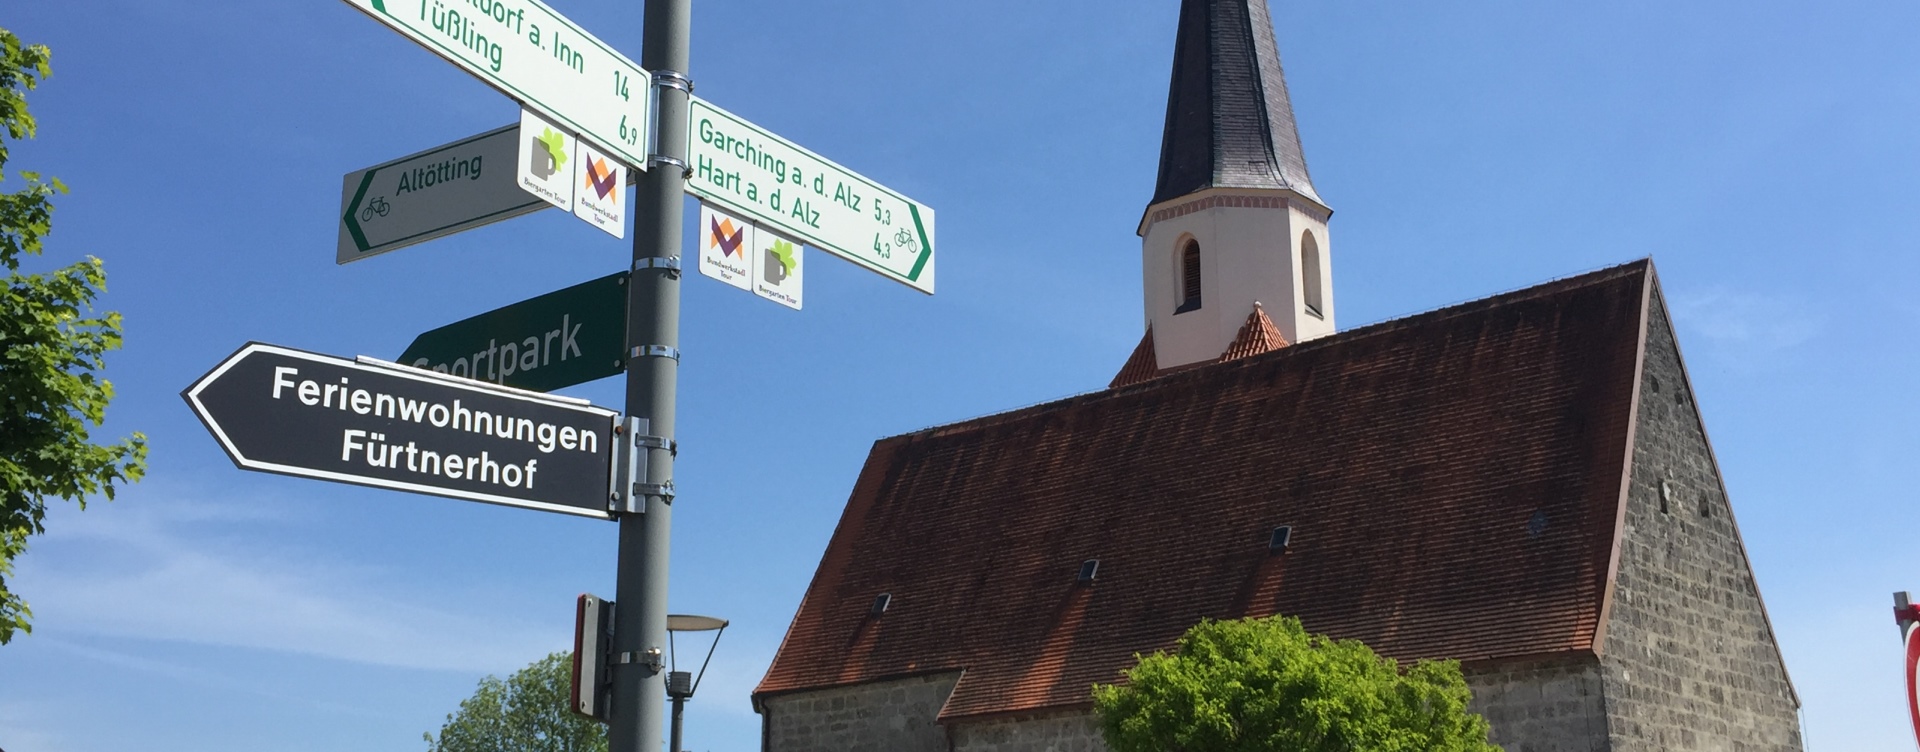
<point>1189,277</point>
<point>1312,285</point>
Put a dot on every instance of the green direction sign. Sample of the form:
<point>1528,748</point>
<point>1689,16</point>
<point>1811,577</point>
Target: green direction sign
<point>565,337</point>
<point>537,56</point>
<point>747,169</point>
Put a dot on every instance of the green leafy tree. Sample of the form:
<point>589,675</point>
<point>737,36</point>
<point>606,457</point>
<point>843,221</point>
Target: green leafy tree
<point>51,353</point>
<point>526,713</point>
<point>1266,684</point>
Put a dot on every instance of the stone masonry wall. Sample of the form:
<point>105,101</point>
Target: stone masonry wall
<point>1689,661</point>
<point>1541,707</point>
<point>888,716</point>
<point>1073,731</point>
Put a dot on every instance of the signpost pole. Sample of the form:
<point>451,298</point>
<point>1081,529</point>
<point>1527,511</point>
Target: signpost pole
<point>640,619</point>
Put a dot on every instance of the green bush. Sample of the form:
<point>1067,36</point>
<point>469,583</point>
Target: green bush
<point>1267,685</point>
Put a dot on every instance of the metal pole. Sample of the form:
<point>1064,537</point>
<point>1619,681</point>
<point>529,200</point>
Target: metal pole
<point>653,340</point>
<point>679,706</point>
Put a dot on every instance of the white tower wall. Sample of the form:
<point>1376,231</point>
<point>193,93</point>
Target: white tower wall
<point>1250,244</point>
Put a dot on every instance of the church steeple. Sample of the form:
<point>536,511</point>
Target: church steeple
<point>1229,119</point>
<point>1235,230</point>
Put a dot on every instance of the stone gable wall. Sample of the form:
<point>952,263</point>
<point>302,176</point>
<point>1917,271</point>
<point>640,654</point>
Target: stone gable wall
<point>1541,706</point>
<point>887,716</point>
<point>1689,661</point>
<point>1073,731</point>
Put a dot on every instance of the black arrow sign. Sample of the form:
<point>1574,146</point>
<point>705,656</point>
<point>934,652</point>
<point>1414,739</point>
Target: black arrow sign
<point>279,410</point>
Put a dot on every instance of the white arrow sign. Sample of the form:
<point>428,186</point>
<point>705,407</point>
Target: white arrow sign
<point>537,56</point>
<point>771,180</point>
<point>438,192</point>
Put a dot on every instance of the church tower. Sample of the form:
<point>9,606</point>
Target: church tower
<point>1234,242</point>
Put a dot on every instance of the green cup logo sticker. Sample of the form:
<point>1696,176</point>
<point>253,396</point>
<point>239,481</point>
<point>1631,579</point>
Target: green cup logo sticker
<point>549,154</point>
<point>779,263</point>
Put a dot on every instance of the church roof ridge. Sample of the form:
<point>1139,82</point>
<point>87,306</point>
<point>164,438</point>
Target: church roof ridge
<point>1384,326</point>
<point>1546,288</point>
<point>1229,120</point>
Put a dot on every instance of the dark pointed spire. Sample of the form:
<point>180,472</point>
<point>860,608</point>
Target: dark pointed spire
<point>1229,121</point>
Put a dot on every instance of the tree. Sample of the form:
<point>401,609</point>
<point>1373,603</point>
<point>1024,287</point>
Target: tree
<point>51,353</point>
<point>526,713</point>
<point>1266,684</point>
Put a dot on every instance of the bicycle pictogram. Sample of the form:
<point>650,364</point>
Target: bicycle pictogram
<point>377,206</point>
<point>904,239</point>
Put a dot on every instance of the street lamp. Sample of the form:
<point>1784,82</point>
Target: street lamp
<point>681,684</point>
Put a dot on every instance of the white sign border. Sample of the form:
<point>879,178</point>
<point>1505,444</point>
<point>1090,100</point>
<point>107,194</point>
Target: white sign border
<point>233,452</point>
<point>359,192</point>
<point>811,238</point>
<point>651,109</point>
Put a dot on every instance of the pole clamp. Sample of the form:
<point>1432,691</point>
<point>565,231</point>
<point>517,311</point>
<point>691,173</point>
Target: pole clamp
<point>670,263</point>
<point>658,442</point>
<point>654,351</point>
<point>655,160</point>
<point>649,658</point>
<point>672,80</point>
<point>662,490</point>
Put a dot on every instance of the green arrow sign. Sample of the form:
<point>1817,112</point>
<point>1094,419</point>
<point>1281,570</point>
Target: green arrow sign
<point>749,170</point>
<point>565,337</point>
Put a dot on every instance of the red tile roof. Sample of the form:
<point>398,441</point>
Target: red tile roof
<point>1143,364</point>
<point>1452,480</point>
<point>1257,336</point>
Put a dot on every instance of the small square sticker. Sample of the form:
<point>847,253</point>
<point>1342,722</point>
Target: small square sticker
<point>546,165</point>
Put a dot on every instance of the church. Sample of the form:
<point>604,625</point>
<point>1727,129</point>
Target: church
<point>1522,483</point>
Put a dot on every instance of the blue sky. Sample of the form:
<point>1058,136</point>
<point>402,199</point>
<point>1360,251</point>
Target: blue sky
<point>1762,153</point>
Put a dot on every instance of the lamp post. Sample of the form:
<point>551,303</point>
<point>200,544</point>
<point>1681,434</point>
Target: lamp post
<point>681,684</point>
